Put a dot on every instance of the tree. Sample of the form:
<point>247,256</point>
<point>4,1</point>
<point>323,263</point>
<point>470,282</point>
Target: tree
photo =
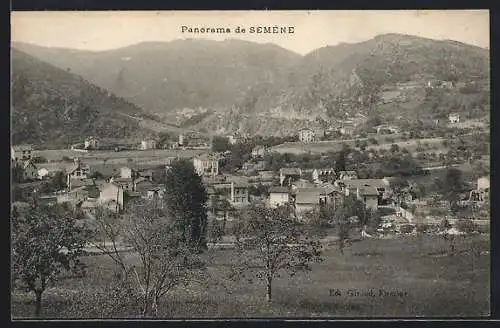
<point>46,240</point>
<point>444,228</point>
<point>17,173</point>
<point>166,260</point>
<point>220,144</point>
<point>185,199</point>
<point>272,242</point>
<point>454,184</point>
<point>399,187</point>
<point>394,148</point>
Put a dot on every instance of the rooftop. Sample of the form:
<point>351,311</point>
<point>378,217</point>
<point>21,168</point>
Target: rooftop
<point>277,189</point>
<point>290,171</point>
<point>361,183</point>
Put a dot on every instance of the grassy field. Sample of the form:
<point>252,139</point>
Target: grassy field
<point>325,146</point>
<point>154,156</point>
<point>429,281</point>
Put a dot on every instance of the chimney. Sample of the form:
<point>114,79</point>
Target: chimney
<point>232,191</point>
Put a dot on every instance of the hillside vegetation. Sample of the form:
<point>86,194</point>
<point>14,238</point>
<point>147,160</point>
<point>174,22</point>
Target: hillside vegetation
<point>237,80</point>
<point>51,106</point>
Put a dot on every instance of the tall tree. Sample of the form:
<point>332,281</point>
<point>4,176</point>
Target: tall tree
<point>453,186</point>
<point>220,144</point>
<point>45,241</point>
<point>186,198</point>
<point>272,242</point>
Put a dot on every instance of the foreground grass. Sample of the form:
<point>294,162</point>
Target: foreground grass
<point>430,283</point>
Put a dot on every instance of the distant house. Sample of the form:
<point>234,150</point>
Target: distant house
<point>126,184</point>
<point>346,129</point>
<point>142,185</point>
<point>30,171</point>
<point>239,194</point>
<point>386,129</point>
<point>454,118</point>
<point>250,166</point>
<point>322,175</point>
<point>369,195</point>
<point>483,184</point>
<point>259,151</point>
<point>347,175</point>
<point>77,171</point>
<point>43,173</point>
<point>148,144</point>
<point>155,192</point>
<point>279,196</point>
<point>409,85</point>
<point>306,135</point>
<point>206,164</point>
<point>91,143</point>
<point>232,139</point>
<point>22,153</point>
<point>146,174</point>
<point>127,173</point>
<point>181,140</point>
<point>289,175</point>
<point>112,196</point>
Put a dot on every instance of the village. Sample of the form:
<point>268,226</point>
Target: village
<point>112,182</point>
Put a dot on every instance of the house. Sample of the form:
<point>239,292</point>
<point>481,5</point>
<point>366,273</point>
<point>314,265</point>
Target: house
<point>483,184</point>
<point>254,166</point>
<point>306,135</point>
<point>43,173</point>
<point>148,144</point>
<point>77,171</point>
<point>307,199</point>
<point>259,151</point>
<point>408,85</point>
<point>289,175</point>
<point>142,185</point>
<point>155,192</point>
<point>112,196</point>
<point>322,175</point>
<point>364,189</point>
<point>22,153</point>
<point>239,194</point>
<point>91,143</point>
<point>126,184</point>
<point>386,129</point>
<point>232,139</point>
<point>146,174</point>
<point>346,129</point>
<point>454,118</point>
<point>279,196</point>
<point>369,195</point>
<point>206,164</point>
<point>74,197</point>
<point>347,175</point>
<point>181,140</point>
<point>127,173</point>
<point>30,171</point>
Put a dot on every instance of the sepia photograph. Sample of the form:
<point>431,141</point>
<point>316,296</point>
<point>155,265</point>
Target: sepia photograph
<point>250,164</point>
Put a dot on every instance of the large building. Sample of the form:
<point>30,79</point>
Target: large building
<point>206,164</point>
<point>148,144</point>
<point>279,196</point>
<point>112,196</point>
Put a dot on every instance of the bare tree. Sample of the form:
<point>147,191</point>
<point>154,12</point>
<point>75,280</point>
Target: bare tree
<point>273,242</point>
<point>166,261</point>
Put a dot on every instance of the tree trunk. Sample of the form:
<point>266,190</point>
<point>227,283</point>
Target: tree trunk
<point>269,289</point>
<point>38,304</point>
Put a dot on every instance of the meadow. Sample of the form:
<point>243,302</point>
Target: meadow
<point>421,280</point>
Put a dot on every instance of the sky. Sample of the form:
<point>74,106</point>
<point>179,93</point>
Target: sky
<point>312,29</point>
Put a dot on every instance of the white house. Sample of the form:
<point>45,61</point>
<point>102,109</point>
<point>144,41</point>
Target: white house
<point>454,118</point>
<point>319,175</point>
<point>483,184</point>
<point>306,135</point>
<point>77,170</point>
<point>91,142</point>
<point>347,175</point>
<point>43,173</point>
<point>206,164</point>
<point>126,173</point>
<point>148,144</point>
<point>279,196</point>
